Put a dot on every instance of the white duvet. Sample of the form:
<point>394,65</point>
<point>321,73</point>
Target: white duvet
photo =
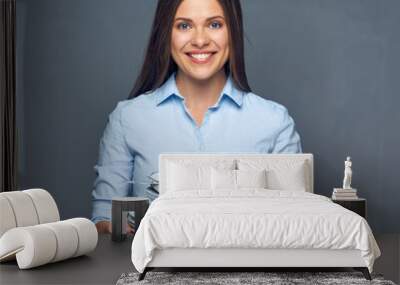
<point>252,218</point>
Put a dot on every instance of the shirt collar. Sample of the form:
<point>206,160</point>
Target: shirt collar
<point>169,89</point>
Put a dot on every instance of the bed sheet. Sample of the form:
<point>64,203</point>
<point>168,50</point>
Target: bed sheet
<point>250,218</point>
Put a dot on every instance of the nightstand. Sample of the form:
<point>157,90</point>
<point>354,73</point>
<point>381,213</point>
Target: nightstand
<point>126,210</point>
<point>358,206</point>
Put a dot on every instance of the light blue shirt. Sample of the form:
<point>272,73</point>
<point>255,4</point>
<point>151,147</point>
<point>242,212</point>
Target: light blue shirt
<point>139,129</point>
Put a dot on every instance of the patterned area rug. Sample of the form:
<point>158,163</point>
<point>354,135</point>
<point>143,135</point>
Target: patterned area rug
<point>243,278</point>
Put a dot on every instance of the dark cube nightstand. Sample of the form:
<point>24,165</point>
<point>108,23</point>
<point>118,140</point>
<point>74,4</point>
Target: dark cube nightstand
<point>358,206</point>
<point>121,208</point>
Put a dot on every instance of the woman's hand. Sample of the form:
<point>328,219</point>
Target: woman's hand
<point>130,230</point>
<point>103,227</point>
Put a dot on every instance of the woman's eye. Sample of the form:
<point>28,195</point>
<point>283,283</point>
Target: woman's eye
<point>216,25</point>
<point>183,26</point>
<point>186,26</point>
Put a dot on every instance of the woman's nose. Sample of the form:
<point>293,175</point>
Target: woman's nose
<point>200,38</point>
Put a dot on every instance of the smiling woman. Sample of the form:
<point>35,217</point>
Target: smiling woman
<point>191,95</point>
<point>179,27</point>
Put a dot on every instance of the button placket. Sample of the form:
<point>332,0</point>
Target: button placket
<point>201,128</point>
<point>198,129</point>
<point>200,141</point>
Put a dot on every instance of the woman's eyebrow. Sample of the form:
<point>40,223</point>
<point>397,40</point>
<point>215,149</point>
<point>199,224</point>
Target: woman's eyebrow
<point>190,20</point>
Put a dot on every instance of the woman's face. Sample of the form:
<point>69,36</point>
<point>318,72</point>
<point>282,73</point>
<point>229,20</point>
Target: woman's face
<point>200,41</point>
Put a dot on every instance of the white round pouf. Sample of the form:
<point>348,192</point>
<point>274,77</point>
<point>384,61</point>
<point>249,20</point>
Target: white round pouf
<point>23,208</point>
<point>45,205</point>
<point>67,239</point>
<point>33,246</point>
<point>87,233</point>
<point>7,218</point>
<point>31,230</point>
<point>40,244</point>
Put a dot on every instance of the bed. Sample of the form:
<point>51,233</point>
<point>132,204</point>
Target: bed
<point>247,210</point>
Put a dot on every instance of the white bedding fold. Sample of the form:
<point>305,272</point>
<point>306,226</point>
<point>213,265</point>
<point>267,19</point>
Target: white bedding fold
<point>251,218</point>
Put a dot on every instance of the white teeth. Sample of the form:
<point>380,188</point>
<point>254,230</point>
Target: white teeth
<point>201,55</point>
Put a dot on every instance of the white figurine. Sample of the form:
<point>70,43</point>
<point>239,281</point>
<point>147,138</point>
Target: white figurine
<point>347,173</point>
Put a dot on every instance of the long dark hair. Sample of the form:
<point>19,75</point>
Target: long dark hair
<point>158,64</point>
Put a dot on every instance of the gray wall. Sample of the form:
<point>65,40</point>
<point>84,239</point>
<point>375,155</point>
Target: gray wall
<point>334,64</point>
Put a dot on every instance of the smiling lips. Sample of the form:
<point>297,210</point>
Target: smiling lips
<point>200,58</point>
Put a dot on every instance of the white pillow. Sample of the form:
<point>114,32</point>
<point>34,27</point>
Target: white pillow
<point>190,175</point>
<point>251,178</point>
<point>223,179</point>
<point>281,174</point>
<point>181,177</point>
<point>237,179</point>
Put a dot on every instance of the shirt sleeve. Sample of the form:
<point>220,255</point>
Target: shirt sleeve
<point>287,139</point>
<point>114,168</point>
